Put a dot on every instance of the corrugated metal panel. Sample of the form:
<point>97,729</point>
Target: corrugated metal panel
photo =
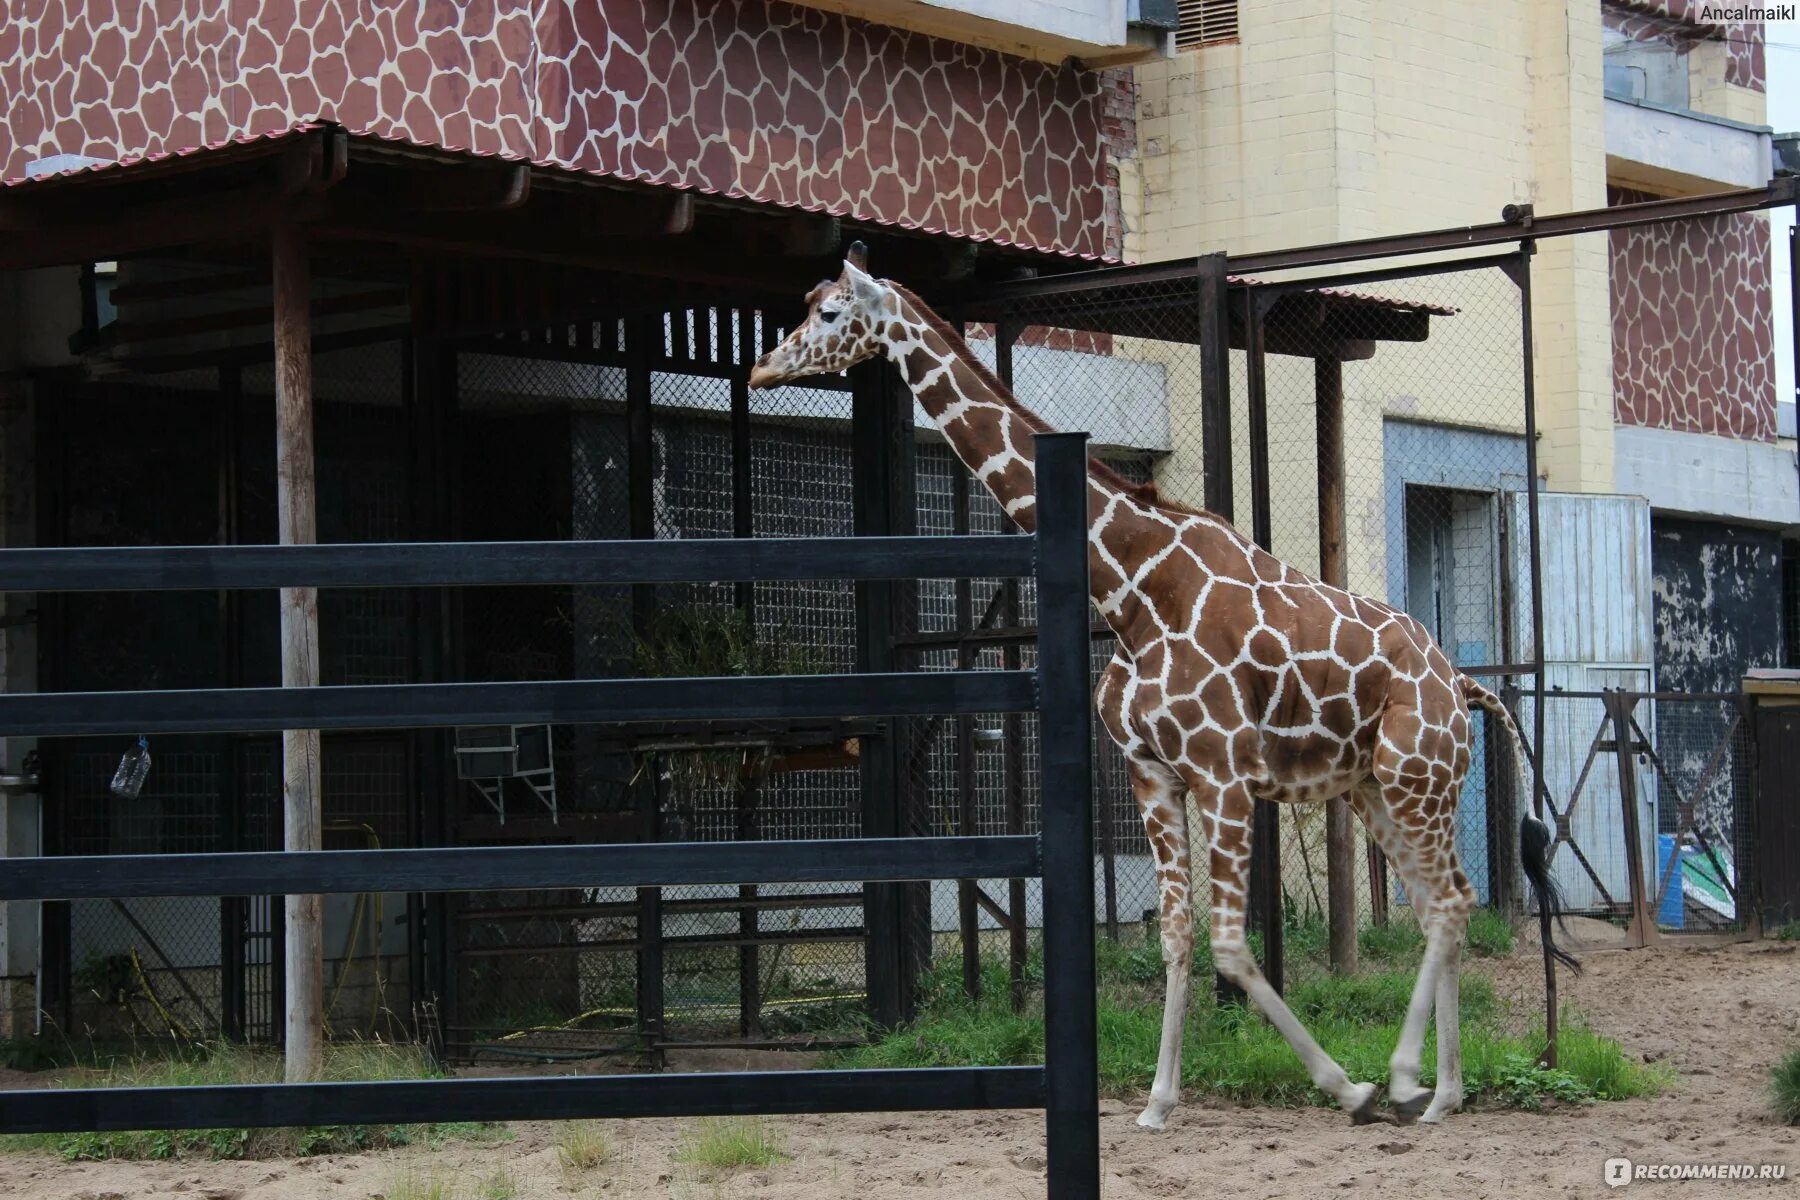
<point>1596,555</point>
<point>1598,634</point>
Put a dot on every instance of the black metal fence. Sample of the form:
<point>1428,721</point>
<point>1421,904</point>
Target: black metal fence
<point>1062,854</point>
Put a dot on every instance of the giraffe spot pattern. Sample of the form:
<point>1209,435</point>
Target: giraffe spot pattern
<point>768,101</point>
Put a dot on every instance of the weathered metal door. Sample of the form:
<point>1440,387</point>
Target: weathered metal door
<point>1778,812</point>
<point>1598,635</point>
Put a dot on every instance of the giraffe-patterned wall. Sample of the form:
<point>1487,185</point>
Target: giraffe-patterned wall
<point>1693,336</point>
<point>1744,40</point>
<point>763,100</point>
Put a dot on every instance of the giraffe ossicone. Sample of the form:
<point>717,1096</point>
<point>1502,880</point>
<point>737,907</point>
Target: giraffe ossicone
<point>1236,678</point>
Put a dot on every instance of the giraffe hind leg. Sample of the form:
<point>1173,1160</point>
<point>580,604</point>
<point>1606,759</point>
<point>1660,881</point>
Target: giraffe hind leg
<point>1417,835</point>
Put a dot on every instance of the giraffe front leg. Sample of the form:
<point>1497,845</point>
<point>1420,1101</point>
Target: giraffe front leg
<point>1162,800</point>
<point>1225,818</point>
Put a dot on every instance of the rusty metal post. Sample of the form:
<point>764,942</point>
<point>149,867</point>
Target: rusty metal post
<point>1619,705</point>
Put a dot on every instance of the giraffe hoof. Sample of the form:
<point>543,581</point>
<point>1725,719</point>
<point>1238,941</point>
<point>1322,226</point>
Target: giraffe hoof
<point>1408,1111</point>
<point>1367,1112</point>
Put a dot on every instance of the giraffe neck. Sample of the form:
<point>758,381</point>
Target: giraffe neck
<point>995,437</point>
<point>987,428</point>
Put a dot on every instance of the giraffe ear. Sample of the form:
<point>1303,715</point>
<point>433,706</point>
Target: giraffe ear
<point>858,255</point>
<point>862,284</point>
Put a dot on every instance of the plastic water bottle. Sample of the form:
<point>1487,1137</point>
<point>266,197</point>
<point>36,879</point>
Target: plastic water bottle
<point>134,765</point>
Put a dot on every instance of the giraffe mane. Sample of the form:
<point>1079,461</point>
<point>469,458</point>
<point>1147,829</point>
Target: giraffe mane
<point>1143,493</point>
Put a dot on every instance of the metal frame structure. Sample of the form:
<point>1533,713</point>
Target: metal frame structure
<point>1229,311</point>
<point>1062,855</point>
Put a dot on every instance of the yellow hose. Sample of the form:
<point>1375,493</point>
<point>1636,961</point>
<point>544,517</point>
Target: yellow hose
<point>366,902</point>
<point>175,1027</point>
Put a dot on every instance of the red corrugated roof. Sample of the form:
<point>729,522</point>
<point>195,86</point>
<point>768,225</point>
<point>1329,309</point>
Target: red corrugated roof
<point>1393,302</point>
<point>179,156</point>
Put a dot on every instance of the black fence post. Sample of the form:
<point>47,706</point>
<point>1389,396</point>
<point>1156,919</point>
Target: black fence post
<point>1265,837</point>
<point>873,418</point>
<point>1071,1066</point>
<point>1006,332</point>
<point>643,342</point>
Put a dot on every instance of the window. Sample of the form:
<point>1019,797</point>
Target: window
<point>1206,23</point>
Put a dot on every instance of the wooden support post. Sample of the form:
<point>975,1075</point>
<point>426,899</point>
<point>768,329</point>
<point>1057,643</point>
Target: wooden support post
<point>297,525</point>
<point>1340,828</point>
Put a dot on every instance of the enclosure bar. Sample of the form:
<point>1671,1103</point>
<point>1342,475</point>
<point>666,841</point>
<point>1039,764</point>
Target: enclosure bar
<point>1528,377</point>
<point>558,702</point>
<point>556,1098</point>
<point>496,564</point>
<point>968,920</point>
<point>747,792</point>
<point>1071,1069</point>
<point>486,868</point>
<point>1265,840</point>
<point>1006,333</point>
<point>1525,225</point>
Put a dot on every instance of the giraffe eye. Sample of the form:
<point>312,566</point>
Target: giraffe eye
<point>828,315</point>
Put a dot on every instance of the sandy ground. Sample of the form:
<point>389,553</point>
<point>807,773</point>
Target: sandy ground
<point>1720,1017</point>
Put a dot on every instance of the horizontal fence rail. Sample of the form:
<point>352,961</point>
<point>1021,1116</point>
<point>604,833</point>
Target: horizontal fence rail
<point>558,702</point>
<point>483,564</point>
<point>552,1098</point>
<point>483,868</point>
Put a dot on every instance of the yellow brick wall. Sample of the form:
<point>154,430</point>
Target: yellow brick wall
<point>1345,119</point>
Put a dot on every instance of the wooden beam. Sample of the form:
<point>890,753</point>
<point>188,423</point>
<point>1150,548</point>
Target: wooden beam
<point>296,510</point>
<point>124,332</point>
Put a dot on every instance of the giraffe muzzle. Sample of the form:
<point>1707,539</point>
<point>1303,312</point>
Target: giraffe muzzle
<point>765,374</point>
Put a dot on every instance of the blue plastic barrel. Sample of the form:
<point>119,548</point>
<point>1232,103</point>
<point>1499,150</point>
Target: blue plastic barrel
<point>1669,914</point>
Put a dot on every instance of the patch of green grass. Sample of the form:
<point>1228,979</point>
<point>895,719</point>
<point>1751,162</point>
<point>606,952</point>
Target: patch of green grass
<point>408,1182</point>
<point>501,1185</point>
<point>727,1143</point>
<point>1490,934</point>
<point>1784,1087</point>
<point>584,1145</point>
<point>1787,931</point>
<point>1233,1053</point>
<point>1398,940</point>
<point>225,1063</point>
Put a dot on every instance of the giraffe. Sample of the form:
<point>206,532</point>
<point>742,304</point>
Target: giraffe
<point>1235,678</point>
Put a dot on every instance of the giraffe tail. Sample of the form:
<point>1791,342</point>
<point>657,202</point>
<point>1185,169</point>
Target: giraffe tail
<point>1534,835</point>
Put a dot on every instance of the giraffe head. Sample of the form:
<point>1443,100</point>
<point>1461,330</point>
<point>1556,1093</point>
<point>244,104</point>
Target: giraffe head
<point>844,320</point>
